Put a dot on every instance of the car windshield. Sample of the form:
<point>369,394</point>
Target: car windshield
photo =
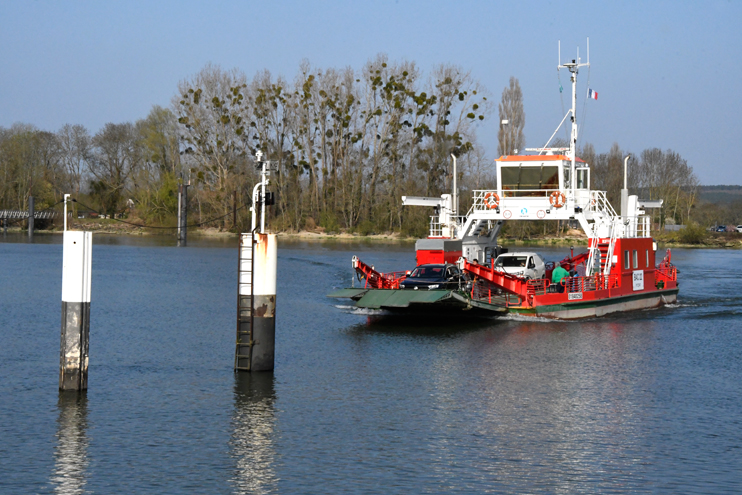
<point>511,261</point>
<point>429,271</point>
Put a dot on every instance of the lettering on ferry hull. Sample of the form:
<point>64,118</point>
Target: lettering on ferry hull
<point>574,296</point>
<point>638,279</point>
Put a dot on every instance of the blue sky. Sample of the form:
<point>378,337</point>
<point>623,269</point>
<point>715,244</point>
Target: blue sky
<point>667,73</point>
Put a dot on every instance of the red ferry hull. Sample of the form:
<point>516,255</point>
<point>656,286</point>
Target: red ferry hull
<point>598,306</point>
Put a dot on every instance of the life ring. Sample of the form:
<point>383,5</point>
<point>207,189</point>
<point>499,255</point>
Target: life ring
<point>494,203</point>
<point>557,199</point>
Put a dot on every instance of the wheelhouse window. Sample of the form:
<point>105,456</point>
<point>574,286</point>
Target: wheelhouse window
<point>636,259</point>
<point>626,260</point>
<point>529,180</point>
<point>582,179</point>
<point>647,265</point>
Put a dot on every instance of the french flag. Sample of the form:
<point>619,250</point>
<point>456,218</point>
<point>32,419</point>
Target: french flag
<point>592,94</point>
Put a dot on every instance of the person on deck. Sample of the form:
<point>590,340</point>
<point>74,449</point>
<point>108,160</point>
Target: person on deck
<point>556,277</point>
<point>580,270</point>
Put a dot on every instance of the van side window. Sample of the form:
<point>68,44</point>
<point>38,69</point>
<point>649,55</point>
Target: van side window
<point>531,264</point>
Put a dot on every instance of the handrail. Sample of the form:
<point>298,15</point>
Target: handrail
<point>377,280</point>
<point>666,273</point>
<point>484,291</point>
<point>599,203</point>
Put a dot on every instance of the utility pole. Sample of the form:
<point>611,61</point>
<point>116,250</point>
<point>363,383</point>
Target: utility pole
<point>182,213</point>
<point>234,211</point>
<point>30,218</point>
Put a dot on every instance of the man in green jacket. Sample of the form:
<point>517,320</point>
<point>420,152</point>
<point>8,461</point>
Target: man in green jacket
<point>556,277</point>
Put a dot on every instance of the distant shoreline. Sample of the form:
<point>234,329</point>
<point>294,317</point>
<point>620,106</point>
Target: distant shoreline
<point>713,240</point>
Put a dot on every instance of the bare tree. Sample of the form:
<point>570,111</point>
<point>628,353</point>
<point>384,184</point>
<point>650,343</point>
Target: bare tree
<point>666,175</point>
<point>510,136</point>
<point>115,156</point>
<point>75,146</point>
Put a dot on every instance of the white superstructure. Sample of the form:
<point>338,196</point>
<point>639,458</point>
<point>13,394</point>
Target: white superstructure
<point>552,184</point>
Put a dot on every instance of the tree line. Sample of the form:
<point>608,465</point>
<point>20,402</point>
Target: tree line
<point>346,145</point>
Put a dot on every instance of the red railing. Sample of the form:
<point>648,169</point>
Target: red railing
<point>377,280</point>
<point>483,291</point>
<point>573,284</point>
<point>666,273</point>
<point>537,287</point>
<point>594,282</point>
<point>504,281</point>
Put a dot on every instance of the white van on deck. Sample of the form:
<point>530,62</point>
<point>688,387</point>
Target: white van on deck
<point>527,265</point>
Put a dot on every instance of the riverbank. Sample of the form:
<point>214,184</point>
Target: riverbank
<point>720,240</point>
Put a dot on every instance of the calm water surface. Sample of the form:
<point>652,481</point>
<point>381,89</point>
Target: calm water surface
<point>646,402</point>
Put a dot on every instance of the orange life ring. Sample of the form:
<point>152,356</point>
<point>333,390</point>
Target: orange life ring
<point>557,199</point>
<point>495,200</point>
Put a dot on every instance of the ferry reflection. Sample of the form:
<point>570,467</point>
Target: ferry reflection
<point>563,402</point>
<point>253,424</point>
<point>71,453</point>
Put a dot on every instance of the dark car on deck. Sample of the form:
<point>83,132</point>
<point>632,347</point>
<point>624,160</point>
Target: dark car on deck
<point>434,277</point>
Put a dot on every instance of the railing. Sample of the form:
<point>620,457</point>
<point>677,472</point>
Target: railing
<point>483,291</point>
<point>480,202</point>
<point>611,247</point>
<point>573,284</point>
<point>638,227</point>
<point>38,215</point>
<point>376,279</point>
<point>542,192</point>
<point>599,203</point>
<point>591,283</point>
<point>436,228</point>
<point>666,274</point>
<point>537,287</point>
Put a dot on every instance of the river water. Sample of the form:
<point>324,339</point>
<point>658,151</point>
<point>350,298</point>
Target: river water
<point>644,402</point>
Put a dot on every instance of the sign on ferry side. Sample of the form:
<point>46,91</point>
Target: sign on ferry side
<point>638,278</point>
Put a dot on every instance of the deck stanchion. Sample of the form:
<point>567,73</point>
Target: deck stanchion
<point>30,217</point>
<point>76,277</point>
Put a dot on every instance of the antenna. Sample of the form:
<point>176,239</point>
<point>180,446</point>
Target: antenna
<point>573,67</point>
<point>559,62</point>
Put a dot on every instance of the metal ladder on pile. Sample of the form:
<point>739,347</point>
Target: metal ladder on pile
<point>245,297</point>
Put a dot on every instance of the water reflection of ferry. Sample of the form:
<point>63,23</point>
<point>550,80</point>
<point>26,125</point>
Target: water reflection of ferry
<point>617,272</point>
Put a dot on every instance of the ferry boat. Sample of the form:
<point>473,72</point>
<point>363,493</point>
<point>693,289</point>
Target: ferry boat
<point>619,271</point>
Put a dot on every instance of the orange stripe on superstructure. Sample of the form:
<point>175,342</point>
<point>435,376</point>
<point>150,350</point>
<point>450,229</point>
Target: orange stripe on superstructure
<point>535,158</point>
